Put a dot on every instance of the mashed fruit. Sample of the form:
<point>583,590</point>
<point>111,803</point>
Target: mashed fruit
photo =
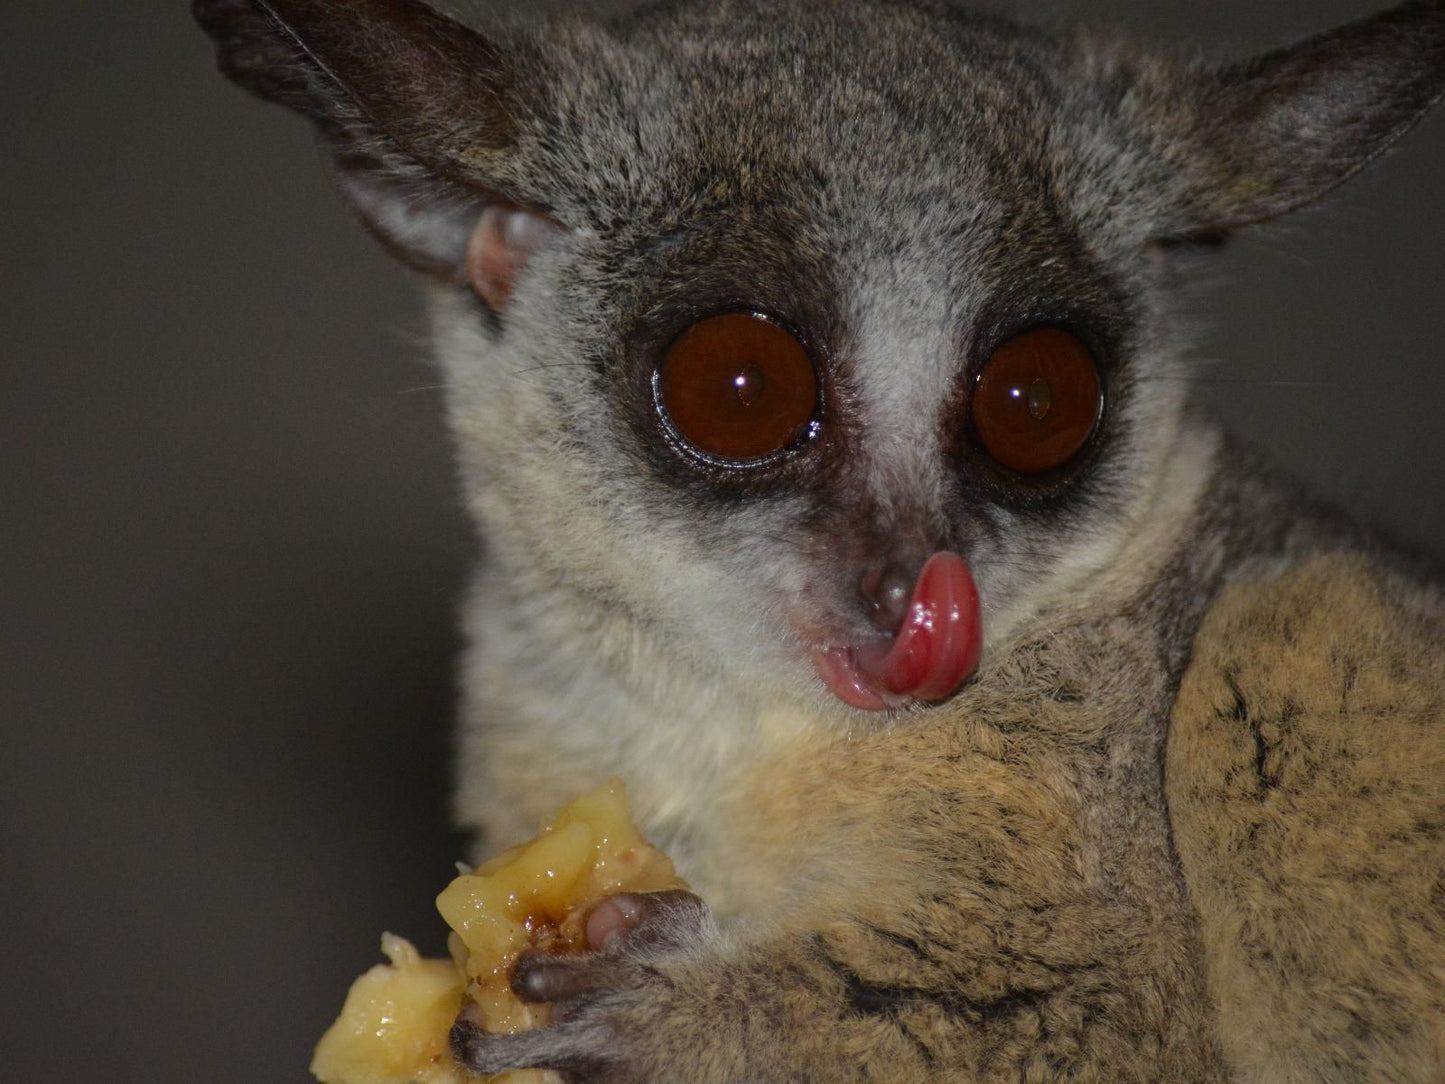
<point>393,1028</point>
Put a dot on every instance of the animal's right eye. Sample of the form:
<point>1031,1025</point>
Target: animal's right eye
<point>737,387</point>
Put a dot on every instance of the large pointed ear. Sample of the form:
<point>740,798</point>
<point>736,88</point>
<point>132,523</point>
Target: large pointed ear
<point>421,115</point>
<point>1280,130</point>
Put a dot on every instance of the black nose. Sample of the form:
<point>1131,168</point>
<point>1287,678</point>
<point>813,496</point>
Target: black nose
<point>887,591</point>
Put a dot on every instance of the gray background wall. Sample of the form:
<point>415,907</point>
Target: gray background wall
<point>229,552</point>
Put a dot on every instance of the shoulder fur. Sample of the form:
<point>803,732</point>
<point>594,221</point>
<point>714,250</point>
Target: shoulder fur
<point>1306,787</point>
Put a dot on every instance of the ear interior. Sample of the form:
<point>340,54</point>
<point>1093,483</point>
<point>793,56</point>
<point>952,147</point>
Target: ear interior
<point>436,89</point>
<point>419,113</point>
<point>425,227</point>
<point>505,239</point>
<point>1279,131</point>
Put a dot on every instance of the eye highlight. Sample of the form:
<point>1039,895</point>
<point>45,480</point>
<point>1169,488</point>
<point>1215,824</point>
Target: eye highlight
<point>1037,400</point>
<point>737,387</point>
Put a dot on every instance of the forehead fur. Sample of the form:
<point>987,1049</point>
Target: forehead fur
<point>686,103</point>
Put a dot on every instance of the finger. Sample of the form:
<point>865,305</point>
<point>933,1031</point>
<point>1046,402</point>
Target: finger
<point>540,977</point>
<point>578,1049</point>
<point>652,920</point>
<point>613,916</point>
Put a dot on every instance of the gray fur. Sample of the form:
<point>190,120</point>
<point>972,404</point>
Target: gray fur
<point>983,889</point>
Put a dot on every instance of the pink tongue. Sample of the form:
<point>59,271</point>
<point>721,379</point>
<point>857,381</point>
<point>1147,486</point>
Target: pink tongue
<point>937,647</point>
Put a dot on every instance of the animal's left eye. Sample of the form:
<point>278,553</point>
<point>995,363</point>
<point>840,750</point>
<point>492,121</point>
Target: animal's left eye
<point>737,387</point>
<point>1037,400</point>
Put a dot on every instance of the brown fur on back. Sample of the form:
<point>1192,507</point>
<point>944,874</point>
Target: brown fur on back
<point>995,892</point>
<point>1306,787</point>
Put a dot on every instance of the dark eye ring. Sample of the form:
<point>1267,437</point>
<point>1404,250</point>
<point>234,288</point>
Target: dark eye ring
<point>737,387</point>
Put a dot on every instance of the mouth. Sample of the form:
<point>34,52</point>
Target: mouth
<point>935,649</point>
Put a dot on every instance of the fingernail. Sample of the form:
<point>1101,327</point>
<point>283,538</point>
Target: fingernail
<point>613,916</point>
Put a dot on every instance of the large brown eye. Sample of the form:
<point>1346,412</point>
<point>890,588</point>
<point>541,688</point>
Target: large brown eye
<point>737,387</point>
<point>1037,400</point>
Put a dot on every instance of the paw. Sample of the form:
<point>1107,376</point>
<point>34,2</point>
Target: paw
<point>602,1001</point>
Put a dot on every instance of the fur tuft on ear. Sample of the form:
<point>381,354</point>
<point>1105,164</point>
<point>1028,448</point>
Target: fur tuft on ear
<point>1280,130</point>
<point>421,114</point>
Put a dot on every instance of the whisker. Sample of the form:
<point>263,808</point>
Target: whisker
<point>552,365</point>
<point>1246,380</point>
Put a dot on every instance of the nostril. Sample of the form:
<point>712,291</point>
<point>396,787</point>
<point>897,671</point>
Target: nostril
<point>887,592</point>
